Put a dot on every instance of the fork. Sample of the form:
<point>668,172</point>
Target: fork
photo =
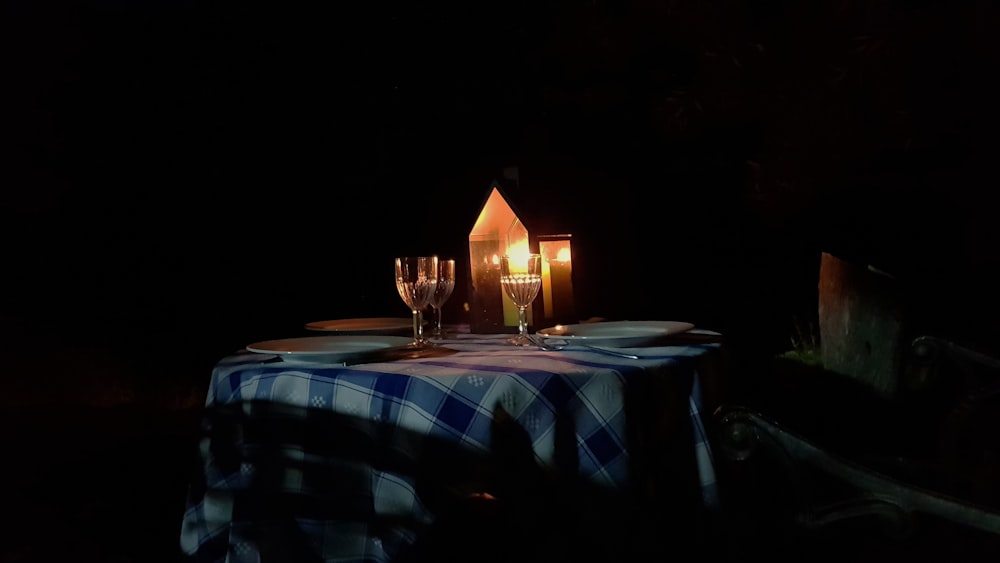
<point>544,346</point>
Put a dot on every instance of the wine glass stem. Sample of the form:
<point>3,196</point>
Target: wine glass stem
<point>417,332</point>
<point>437,320</point>
<point>522,321</point>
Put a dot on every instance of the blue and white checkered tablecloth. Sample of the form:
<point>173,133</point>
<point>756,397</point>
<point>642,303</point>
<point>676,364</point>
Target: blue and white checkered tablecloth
<point>447,399</point>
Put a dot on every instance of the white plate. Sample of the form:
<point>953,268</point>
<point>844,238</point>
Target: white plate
<point>616,333</point>
<point>373,325</point>
<point>327,348</point>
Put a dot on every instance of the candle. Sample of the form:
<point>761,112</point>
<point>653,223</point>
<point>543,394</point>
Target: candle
<point>562,289</point>
<point>557,278</point>
<point>547,288</point>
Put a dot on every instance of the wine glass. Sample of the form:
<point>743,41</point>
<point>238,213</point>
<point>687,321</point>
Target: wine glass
<point>445,285</point>
<point>416,278</point>
<point>521,278</point>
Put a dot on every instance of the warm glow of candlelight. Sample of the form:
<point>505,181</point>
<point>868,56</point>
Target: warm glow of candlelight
<point>518,253</point>
<point>557,277</point>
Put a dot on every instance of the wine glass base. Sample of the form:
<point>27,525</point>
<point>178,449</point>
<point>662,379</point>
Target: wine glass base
<point>521,340</point>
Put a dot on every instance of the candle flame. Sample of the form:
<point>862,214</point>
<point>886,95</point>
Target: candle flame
<point>519,251</point>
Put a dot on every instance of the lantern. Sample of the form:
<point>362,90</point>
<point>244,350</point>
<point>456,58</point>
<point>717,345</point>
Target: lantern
<point>497,231</point>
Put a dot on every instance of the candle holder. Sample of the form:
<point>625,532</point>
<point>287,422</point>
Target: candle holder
<point>498,231</point>
<point>559,305</point>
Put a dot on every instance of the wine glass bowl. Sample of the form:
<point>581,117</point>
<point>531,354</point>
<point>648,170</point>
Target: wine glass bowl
<point>521,278</point>
<point>416,280</point>
<point>443,290</point>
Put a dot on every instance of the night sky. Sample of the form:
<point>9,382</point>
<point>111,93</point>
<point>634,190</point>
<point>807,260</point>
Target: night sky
<point>204,176</point>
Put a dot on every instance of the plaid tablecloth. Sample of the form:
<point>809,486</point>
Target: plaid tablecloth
<point>332,442</point>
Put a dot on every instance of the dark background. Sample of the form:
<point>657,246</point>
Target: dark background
<point>183,178</point>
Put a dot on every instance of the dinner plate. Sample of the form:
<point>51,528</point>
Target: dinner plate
<point>374,325</point>
<point>327,348</point>
<point>617,333</point>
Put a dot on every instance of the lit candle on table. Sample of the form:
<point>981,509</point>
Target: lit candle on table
<point>547,286</point>
<point>561,270</point>
<point>557,278</point>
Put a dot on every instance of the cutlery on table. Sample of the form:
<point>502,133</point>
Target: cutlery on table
<point>680,339</point>
<point>547,347</point>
